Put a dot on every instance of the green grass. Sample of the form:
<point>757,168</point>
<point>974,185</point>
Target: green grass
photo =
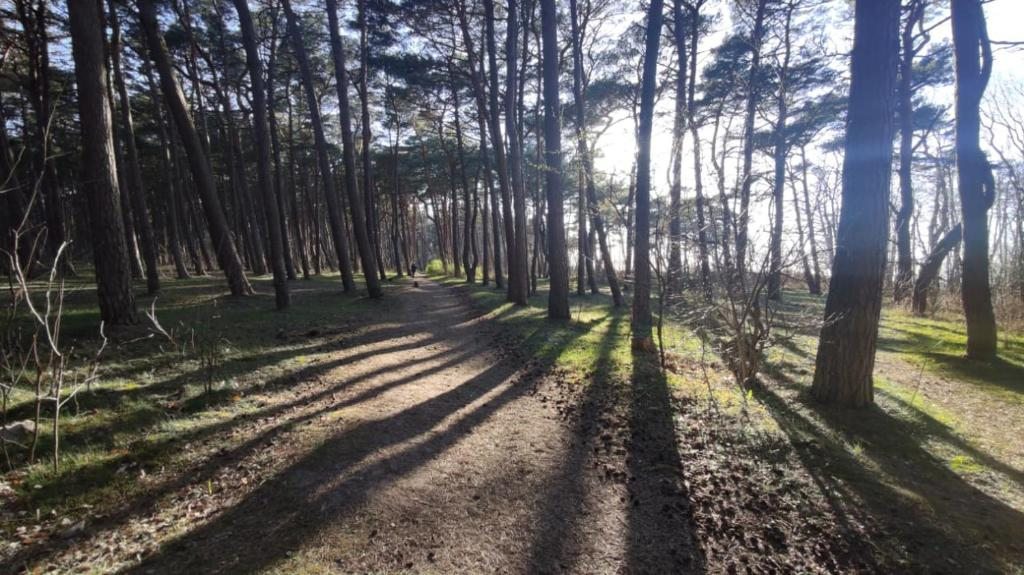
<point>152,395</point>
<point>910,456</point>
<point>906,463</point>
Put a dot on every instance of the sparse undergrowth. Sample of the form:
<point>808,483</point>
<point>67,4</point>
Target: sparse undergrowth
<point>153,399</point>
<point>931,478</point>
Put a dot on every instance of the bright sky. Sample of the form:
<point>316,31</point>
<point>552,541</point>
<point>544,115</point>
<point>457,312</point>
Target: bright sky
<point>1005,20</point>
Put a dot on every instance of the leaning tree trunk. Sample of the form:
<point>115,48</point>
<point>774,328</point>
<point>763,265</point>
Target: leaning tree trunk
<point>227,255</point>
<point>558,265</point>
<point>846,348</point>
<point>974,175</point>
<point>263,158</point>
<point>642,336</point>
<point>930,269</point>
<point>99,180</point>
<point>334,215</point>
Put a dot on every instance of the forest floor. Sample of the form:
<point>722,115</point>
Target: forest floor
<point>442,430</point>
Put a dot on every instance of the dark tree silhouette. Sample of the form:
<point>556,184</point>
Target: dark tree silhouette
<point>99,172</point>
<point>558,264</point>
<point>846,348</point>
<point>224,245</point>
<point>642,322</point>
<point>973,53</point>
<point>263,159</point>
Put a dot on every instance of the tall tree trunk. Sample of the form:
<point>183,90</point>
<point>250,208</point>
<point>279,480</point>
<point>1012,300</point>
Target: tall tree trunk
<point>774,287</point>
<point>356,210</point>
<point>334,215</point>
<point>482,97</point>
<point>973,53</point>
<point>293,190</point>
<point>275,146</point>
<point>515,226</point>
<point>263,153</point>
<point>467,202</point>
<point>485,211</point>
<point>34,31</point>
<point>227,255</point>
<point>904,253</point>
<point>815,287</point>
<point>558,297</point>
<point>369,195</point>
<point>642,336</point>
<point>675,224</point>
<point>99,180</point>
<point>131,240</point>
<point>809,279</point>
<point>583,149</point>
<point>747,177</point>
<point>134,188</point>
<point>170,181</point>
<point>846,347</point>
<point>698,175</point>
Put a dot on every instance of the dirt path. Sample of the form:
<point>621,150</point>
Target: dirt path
<point>424,443</point>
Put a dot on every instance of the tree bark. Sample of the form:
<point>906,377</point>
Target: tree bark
<point>135,190</point>
<point>930,269</point>
<point>846,347</point>
<point>99,180</point>
<point>642,336</point>
<point>973,54</point>
<point>263,154</point>
<point>558,265</point>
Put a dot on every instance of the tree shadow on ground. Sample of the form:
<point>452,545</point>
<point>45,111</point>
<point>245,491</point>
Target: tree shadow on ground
<point>926,517</point>
<point>299,389</point>
<point>660,520</point>
<point>557,540</point>
<point>342,473</point>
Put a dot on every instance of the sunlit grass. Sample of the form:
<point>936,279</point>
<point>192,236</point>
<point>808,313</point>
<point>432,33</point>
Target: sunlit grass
<point>152,392</point>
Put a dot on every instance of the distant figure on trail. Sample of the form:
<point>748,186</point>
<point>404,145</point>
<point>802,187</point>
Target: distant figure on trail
<point>412,270</point>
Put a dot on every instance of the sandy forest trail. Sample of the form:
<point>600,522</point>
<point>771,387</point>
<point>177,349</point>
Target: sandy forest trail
<point>424,443</point>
